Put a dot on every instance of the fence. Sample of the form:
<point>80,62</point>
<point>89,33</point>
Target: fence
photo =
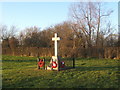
<point>28,51</point>
<point>107,52</point>
<point>112,52</point>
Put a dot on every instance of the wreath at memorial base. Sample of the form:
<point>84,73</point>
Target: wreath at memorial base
<point>54,64</point>
<point>62,64</point>
<point>41,63</point>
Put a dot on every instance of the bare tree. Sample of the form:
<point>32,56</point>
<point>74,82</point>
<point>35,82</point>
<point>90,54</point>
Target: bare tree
<point>101,15</point>
<point>87,17</point>
<point>13,42</point>
<point>6,34</point>
<point>30,36</point>
<point>21,38</point>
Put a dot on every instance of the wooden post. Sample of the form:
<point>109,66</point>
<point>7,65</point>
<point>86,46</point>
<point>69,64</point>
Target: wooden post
<point>44,62</point>
<point>73,62</point>
<point>51,65</point>
<point>37,62</point>
<point>58,58</point>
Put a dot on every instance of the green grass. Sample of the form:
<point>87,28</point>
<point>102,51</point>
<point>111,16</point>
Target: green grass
<point>22,72</point>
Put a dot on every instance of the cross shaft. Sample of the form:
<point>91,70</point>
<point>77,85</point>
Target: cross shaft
<point>55,39</point>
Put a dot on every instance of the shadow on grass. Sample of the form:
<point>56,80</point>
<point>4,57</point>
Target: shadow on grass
<point>40,82</point>
<point>93,58</point>
<point>20,83</point>
<point>44,81</point>
<point>21,61</point>
<point>95,68</point>
<point>18,60</point>
<point>32,82</point>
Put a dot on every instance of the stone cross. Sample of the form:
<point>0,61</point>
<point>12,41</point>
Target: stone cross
<point>55,39</point>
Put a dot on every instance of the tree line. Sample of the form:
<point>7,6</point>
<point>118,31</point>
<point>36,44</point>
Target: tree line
<point>87,27</point>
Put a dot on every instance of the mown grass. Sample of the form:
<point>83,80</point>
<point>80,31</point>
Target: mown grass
<point>22,72</point>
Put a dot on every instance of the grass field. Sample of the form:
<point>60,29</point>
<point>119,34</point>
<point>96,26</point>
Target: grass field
<point>22,72</point>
